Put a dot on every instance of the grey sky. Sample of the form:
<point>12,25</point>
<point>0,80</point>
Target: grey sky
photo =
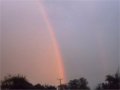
<point>87,31</point>
<point>88,34</point>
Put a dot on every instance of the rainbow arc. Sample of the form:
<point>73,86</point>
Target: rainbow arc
<point>57,52</point>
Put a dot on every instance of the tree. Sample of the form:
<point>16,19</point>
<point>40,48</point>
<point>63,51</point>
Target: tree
<point>111,82</point>
<point>20,82</point>
<point>39,86</point>
<point>50,87</point>
<point>63,87</point>
<point>81,83</point>
<point>16,82</point>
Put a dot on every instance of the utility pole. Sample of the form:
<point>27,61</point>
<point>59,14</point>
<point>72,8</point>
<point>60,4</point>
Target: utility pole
<point>60,80</point>
<point>60,83</point>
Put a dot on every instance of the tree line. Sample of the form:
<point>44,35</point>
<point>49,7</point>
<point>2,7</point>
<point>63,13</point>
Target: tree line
<point>20,82</point>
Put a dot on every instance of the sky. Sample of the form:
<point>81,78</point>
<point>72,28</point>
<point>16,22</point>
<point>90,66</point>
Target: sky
<point>87,32</point>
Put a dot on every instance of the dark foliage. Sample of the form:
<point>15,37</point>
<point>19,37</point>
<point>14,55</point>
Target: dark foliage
<point>63,87</point>
<point>39,86</point>
<point>16,82</point>
<point>21,83</point>
<point>78,84</point>
<point>50,87</point>
<point>111,82</point>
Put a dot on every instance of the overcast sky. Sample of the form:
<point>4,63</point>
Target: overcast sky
<point>87,32</point>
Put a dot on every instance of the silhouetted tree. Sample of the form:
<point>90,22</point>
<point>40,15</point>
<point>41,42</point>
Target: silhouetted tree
<point>20,82</point>
<point>15,82</point>
<point>63,87</point>
<point>50,87</point>
<point>39,86</point>
<point>81,83</point>
<point>111,82</point>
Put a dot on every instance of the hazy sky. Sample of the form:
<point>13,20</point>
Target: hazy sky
<point>87,32</point>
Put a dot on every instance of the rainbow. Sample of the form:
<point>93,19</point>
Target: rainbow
<point>58,56</point>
